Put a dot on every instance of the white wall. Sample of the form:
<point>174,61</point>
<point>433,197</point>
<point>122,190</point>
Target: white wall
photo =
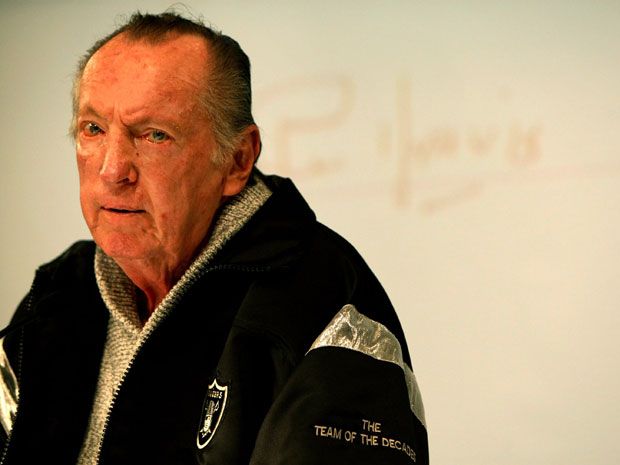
<point>470,150</point>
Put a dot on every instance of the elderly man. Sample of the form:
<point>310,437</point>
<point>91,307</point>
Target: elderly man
<point>213,320</point>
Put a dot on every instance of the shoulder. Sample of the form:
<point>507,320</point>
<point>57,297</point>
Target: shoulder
<point>72,269</point>
<point>80,254</point>
<point>298,298</point>
<point>316,272</point>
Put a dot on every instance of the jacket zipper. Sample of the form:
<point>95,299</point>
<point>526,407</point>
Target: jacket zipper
<point>18,373</point>
<point>146,336</point>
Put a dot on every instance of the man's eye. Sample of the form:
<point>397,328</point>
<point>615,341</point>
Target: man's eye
<point>156,136</point>
<point>91,129</point>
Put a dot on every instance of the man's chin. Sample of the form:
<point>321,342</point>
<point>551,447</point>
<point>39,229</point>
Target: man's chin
<point>121,247</point>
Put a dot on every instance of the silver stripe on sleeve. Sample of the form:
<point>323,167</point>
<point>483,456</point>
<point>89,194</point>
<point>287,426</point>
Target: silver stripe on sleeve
<point>350,329</point>
<point>9,392</point>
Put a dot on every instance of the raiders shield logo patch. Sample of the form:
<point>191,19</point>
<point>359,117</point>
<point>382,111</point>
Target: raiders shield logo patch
<point>212,411</point>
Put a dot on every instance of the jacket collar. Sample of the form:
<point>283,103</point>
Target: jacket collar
<point>276,233</point>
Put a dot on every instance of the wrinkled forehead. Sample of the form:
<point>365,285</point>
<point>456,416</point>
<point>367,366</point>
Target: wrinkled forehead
<point>176,62</point>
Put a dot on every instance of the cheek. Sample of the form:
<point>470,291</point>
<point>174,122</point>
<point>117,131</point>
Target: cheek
<point>87,173</point>
<point>185,209</point>
<point>88,208</point>
<point>86,164</point>
<point>84,175</point>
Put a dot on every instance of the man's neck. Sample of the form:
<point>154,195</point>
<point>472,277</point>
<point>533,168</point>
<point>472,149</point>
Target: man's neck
<point>154,278</point>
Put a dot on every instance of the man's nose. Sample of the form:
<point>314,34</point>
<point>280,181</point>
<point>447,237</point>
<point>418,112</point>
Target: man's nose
<point>118,165</point>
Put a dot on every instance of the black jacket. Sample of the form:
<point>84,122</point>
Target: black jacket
<point>227,377</point>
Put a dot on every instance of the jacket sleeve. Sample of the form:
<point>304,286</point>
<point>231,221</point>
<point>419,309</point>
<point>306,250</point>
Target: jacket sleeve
<point>352,399</point>
<point>9,395</point>
<point>9,387</point>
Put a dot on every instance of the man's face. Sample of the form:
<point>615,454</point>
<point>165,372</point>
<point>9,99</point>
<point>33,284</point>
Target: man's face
<point>148,187</point>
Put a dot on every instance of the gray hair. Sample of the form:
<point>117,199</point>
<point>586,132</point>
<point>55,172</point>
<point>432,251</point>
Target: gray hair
<point>227,96</point>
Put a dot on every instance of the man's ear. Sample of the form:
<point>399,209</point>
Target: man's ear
<point>242,161</point>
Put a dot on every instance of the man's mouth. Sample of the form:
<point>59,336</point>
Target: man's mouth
<point>123,211</point>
